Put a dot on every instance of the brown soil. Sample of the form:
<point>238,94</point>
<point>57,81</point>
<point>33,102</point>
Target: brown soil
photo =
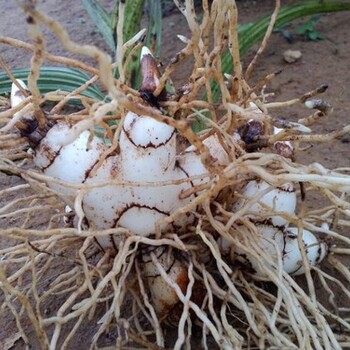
<point>322,62</point>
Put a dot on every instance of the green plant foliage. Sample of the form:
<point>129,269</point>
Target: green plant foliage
<point>154,30</point>
<point>153,11</point>
<point>107,22</point>
<point>132,19</point>
<point>199,123</point>
<point>102,20</point>
<point>52,79</point>
<point>308,30</point>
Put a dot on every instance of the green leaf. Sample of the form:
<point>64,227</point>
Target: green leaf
<point>308,30</point>
<point>315,35</point>
<point>305,28</point>
<point>199,123</point>
<point>153,39</point>
<point>132,25</point>
<point>132,19</point>
<point>107,24</point>
<point>102,20</point>
<point>114,18</point>
<point>52,79</point>
<point>154,29</point>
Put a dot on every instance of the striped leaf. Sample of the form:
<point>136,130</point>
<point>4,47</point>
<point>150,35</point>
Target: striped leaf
<point>102,20</point>
<point>52,79</point>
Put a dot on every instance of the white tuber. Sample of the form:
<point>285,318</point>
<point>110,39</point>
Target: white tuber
<point>281,241</point>
<point>146,156</point>
<point>147,153</point>
<point>315,249</point>
<point>267,200</point>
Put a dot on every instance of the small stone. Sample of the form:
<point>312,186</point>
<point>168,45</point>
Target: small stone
<point>291,56</point>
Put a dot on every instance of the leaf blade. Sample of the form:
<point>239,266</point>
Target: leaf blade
<point>52,79</point>
<point>102,20</point>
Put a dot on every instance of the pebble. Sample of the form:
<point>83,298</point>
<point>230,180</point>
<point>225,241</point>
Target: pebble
<point>291,56</point>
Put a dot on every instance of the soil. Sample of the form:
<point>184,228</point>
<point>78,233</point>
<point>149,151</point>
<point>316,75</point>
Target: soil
<point>322,62</point>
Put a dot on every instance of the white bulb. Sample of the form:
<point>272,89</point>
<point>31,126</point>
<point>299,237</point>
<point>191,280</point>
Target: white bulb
<point>145,131</point>
<point>281,199</point>
<point>139,207</point>
<point>277,241</point>
<point>315,251</point>
<point>70,163</point>
<point>191,164</point>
